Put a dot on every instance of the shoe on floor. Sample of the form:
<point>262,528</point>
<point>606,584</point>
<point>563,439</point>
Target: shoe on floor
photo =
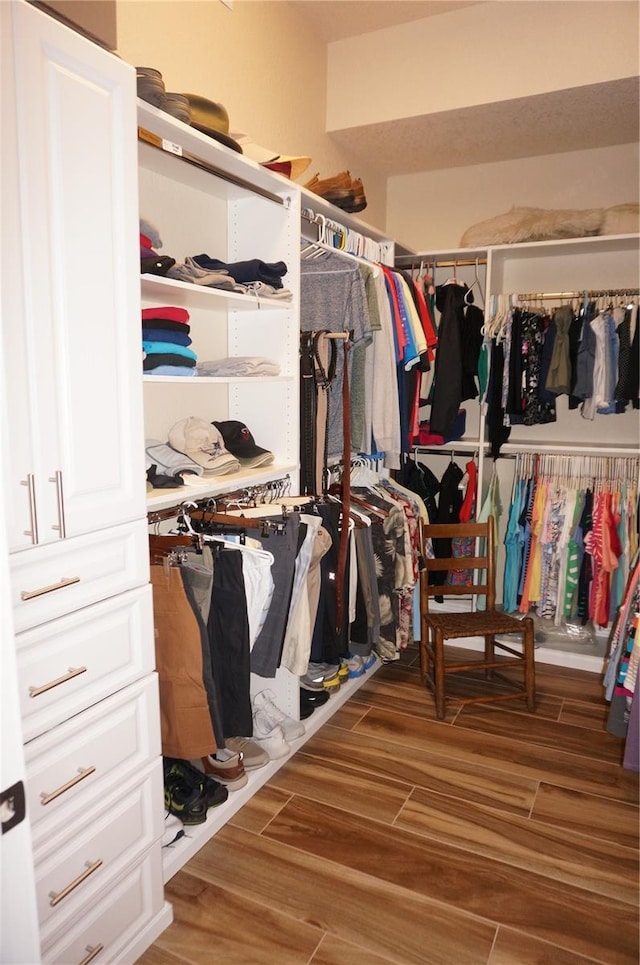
<point>252,755</point>
<point>228,771</point>
<point>265,700</point>
<point>370,661</point>
<point>315,697</point>
<point>312,684</point>
<point>306,709</point>
<point>310,699</point>
<point>355,666</point>
<point>183,800</point>
<point>214,792</point>
<point>269,736</point>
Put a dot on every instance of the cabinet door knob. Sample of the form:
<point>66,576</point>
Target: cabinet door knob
<point>90,867</point>
<point>65,581</point>
<point>80,776</point>
<point>61,526</point>
<point>33,515</point>
<point>72,672</point>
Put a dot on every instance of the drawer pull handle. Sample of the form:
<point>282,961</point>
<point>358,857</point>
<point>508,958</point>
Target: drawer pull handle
<point>65,581</point>
<point>90,867</point>
<point>80,776</point>
<point>33,515</point>
<point>73,672</point>
<point>92,953</point>
<point>61,527</point>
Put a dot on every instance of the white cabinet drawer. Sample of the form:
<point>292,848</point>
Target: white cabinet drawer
<point>81,862</point>
<point>71,663</point>
<point>103,932</point>
<point>50,581</point>
<point>70,768</point>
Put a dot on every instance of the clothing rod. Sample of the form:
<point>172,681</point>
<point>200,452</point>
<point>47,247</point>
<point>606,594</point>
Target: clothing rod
<point>408,261</point>
<point>590,293</point>
<point>157,142</point>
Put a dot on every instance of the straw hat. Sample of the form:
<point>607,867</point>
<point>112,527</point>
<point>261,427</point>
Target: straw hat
<point>291,166</point>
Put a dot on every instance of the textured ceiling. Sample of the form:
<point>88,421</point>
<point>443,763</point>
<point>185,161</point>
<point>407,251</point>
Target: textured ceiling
<point>336,19</point>
<point>597,115</point>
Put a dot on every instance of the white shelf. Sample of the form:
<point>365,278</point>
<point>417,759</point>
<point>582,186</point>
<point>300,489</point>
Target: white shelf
<point>182,138</point>
<point>216,380</point>
<point>186,295</point>
<point>165,498</point>
<point>175,856</point>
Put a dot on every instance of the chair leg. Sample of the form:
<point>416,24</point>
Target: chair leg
<point>489,654</point>
<point>438,675</point>
<point>423,655</point>
<point>528,643</point>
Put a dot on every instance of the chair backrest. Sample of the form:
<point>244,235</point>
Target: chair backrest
<point>478,562</point>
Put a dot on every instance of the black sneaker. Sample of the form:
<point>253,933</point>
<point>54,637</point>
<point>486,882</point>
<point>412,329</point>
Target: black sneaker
<point>213,792</point>
<point>185,802</point>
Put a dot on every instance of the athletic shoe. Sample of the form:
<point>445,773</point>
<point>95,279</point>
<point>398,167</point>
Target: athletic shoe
<point>252,755</point>
<point>269,736</point>
<point>227,768</point>
<point>355,666</point>
<point>213,791</point>
<point>291,728</point>
<point>370,661</point>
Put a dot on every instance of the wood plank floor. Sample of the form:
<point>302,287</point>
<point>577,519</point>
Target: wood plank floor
<point>494,837</point>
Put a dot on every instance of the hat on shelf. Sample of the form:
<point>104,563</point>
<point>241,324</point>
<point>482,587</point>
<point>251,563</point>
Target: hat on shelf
<point>241,444</point>
<point>204,444</point>
<point>211,118</point>
<point>291,166</point>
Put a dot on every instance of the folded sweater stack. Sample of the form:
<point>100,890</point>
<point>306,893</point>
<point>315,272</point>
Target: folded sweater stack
<point>166,341</point>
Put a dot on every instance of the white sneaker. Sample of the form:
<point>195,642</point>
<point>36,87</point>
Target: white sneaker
<point>291,728</point>
<point>269,736</point>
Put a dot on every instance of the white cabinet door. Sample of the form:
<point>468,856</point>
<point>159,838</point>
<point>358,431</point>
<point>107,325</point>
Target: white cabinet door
<point>71,314</point>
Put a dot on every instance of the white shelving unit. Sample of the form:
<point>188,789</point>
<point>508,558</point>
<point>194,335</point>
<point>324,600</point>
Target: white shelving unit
<point>577,264</point>
<point>205,198</point>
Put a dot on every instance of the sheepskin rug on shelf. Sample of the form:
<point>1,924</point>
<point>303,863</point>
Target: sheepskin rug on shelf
<point>548,224</point>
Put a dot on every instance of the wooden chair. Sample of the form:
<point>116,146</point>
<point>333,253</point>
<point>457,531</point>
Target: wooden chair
<point>436,626</point>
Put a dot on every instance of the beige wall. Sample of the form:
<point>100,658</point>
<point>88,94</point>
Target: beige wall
<point>433,209</point>
<point>260,59</point>
<point>269,69</point>
<point>479,55</point>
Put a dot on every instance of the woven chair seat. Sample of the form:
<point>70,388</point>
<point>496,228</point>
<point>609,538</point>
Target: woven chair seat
<point>481,623</point>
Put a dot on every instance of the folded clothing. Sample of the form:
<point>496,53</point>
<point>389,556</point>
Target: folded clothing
<point>164,325</point>
<point>177,370</point>
<point>239,365</point>
<point>245,271</point>
<point>164,335</point>
<point>190,272</point>
<point>169,312</point>
<point>168,358</point>
<point>160,481</point>
<point>160,348</point>
<point>156,266</point>
<point>168,460</point>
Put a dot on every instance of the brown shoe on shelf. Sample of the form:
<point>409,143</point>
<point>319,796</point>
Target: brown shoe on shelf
<point>227,768</point>
<point>342,190</point>
<point>335,189</point>
<point>359,199</point>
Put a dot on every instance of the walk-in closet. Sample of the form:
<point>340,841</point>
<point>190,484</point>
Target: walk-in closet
<point>233,399</point>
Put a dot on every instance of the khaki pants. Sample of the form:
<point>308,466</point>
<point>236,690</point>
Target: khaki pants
<point>185,721</point>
